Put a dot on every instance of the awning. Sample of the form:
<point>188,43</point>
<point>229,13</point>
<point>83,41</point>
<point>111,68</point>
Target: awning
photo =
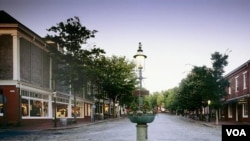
<point>236,99</point>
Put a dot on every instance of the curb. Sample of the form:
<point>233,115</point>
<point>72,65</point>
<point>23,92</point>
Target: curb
<point>81,125</point>
<point>201,122</point>
<point>72,126</point>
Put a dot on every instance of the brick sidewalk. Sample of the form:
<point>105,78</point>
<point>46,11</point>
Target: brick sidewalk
<point>50,126</point>
<point>214,124</point>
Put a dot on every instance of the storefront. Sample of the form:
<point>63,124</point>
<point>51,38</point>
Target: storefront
<point>34,104</point>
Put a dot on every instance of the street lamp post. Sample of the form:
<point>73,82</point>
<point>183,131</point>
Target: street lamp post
<point>140,60</point>
<point>141,129</point>
<point>208,103</point>
<point>55,120</point>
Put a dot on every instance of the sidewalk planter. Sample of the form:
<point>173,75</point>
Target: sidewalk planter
<point>142,119</point>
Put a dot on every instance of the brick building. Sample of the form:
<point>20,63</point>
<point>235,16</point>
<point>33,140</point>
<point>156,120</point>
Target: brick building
<point>26,79</point>
<point>237,102</point>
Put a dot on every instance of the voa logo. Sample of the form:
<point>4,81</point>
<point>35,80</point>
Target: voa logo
<point>236,132</point>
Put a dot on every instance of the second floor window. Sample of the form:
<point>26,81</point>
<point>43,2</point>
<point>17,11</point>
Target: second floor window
<point>245,80</point>
<point>229,88</point>
<point>236,84</point>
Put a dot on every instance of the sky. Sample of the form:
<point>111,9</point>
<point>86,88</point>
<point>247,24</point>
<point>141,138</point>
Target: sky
<point>175,34</point>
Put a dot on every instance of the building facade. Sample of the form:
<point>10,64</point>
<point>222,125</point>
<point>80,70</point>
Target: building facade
<point>237,102</point>
<point>26,80</point>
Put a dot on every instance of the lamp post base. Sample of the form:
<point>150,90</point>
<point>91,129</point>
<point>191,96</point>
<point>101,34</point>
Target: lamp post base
<point>142,132</point>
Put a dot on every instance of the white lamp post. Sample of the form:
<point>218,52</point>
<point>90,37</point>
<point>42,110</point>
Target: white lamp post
<point>140,63</point>
<point>142,120</point>
<point>208,103</point>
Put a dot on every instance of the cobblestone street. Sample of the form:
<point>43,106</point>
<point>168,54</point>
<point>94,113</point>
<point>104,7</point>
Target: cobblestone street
<point>164,128</point>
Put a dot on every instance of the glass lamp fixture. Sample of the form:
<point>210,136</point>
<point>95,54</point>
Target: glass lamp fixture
<point>140,58</point>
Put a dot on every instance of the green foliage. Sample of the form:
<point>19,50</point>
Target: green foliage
<point>74,64</point>
<point>204,84</point>
<point>116,77</point>
<point>219,61</point>
<point>171,102</point>
<point>200,85</point>
<point>71,34</point>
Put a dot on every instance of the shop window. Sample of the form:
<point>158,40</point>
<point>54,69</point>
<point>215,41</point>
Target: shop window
<point>25,107</point>
<point>106,109</point>
<point>35,108</point>
<point>45,109</point>
<point>98,108</point>
<point>25,93</point>
<point>89,110</point>
<point>245,110</point>
<point>61,111</point>
<point>78,111</point>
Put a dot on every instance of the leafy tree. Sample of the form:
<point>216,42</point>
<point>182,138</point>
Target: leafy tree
<point>153,99</point>
<point>160,100</point>
<point>171,102</point>
<point>204,84</point>
<point>219,62</point>
<point>117,78</point>
<point>195,90</point>
<point>73,62</point>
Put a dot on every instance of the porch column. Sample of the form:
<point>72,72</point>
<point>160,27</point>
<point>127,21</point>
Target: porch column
<point>50,110</point>
<point>16,57</point>
<point>70,107</point>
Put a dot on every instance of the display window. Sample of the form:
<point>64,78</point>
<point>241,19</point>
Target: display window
<point>34,104</point>
<point>61,110</point>
<point>34,108</point>
<point>25,107</point>
<point>76,111</point>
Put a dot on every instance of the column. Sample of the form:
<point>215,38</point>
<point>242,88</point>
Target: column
<point>50,110</point>
<point>16,57</point>
<point>70,107</point>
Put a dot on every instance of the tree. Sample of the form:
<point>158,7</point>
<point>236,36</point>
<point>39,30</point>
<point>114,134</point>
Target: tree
<point>117,78</point>
<point>219,61</point>
<point>195,90</point>
<point>73,63</point>
<point>204,84</point>
<point>171,103</point>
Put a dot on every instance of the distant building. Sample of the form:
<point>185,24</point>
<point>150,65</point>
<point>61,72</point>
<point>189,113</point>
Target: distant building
<point>237,102</point>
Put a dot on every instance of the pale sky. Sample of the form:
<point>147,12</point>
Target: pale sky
<point>175,34</point>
